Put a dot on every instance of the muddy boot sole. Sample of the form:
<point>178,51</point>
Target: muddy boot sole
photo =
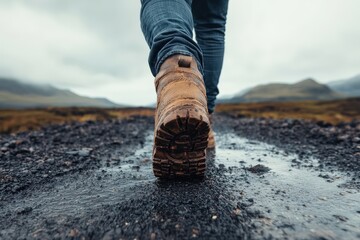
<point>180,144</point>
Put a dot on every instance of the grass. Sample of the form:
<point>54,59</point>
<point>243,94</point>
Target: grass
<point>31,119</point>
<point>332,112</point>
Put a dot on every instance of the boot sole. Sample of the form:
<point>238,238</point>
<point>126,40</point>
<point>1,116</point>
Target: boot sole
<point>180,145</point>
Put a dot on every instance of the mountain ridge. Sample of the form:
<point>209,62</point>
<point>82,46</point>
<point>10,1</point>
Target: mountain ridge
<point>16,94</point>
<point>350,86</point>
<point>307,89</point>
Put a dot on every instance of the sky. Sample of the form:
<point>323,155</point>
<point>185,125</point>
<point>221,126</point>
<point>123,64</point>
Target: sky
<point>96,48</point>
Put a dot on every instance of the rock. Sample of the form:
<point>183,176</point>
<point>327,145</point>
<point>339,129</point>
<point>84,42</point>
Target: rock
<point>237,211</point>
<point>11,144</point>
<point>74,233</point>
<point>136,167</point>
<point>50,161</point>
<point>341,218</point>
<point>221,166</point>
<point>4,149</point>
<point>259,169</point>
<point>84,152</point>
<point>24,210</point>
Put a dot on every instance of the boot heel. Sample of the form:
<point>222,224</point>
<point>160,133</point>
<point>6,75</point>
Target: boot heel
<point>180,144</point>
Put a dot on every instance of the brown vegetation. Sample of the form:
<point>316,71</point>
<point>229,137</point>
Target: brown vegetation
<point>332,112</point>
<point>31,119</point>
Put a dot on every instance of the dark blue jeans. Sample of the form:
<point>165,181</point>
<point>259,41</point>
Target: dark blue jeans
<point>168,29</point>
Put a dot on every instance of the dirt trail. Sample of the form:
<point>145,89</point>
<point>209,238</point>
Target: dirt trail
<point>267,179</point>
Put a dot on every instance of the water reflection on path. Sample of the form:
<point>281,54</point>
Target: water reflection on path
<point>293,199</point>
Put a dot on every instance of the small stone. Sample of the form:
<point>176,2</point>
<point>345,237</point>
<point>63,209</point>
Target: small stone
<point>24,210</point>
<point>50,161</point>
<point>259,169</point>
<point>195,232</point>
<point>11,144</point>
<point>237,211</point>
<point>222,166</point>
<point>214,217</point>
<point>72,152</point>
<point>341,218</point>
<point>136,167</point>
<point>84,152</point>
<point>5,149</point>
<point>67,163</point>
<point>74,233</point>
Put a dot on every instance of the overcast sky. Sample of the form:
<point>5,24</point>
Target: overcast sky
<point>96,48</point>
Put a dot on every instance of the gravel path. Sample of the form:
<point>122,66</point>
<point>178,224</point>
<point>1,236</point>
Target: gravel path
<point>267,179</point>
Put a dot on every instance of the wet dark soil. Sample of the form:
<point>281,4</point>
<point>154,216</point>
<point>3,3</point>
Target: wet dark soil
<point>336,146</point>
<point>267,179</point>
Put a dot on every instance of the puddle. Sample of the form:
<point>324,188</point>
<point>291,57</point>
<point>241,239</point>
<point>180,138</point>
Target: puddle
<point>112,183</point>
<point>292,197</point>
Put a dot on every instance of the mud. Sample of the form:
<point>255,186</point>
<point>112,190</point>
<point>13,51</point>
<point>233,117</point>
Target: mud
<point>267,179</point>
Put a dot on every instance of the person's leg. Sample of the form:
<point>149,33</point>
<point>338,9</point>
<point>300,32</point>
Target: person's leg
<point>209,22</point>
<point>168,29</point>
<point>181,118</point>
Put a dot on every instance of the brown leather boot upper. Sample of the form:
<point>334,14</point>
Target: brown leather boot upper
<point>179,83</point>
<point>181,120</point>
<point>211,139</point>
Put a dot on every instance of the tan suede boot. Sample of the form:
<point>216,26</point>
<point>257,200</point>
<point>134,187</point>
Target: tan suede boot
<point>211,139</point>
<point>181,120</point>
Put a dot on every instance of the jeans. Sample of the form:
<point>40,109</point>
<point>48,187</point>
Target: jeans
<point>168,29</point>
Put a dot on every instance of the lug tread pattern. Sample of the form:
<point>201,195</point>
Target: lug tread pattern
<point>180,146</point>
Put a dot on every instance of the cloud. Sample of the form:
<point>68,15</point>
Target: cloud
<point>82,45</point>
<point>97,48</point>
<point>285,41</point>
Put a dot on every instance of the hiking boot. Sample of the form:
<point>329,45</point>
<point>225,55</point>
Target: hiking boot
<point>211,140</point>
<point>181,120</point>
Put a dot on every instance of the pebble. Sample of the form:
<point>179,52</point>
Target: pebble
<point>24,210</point>
<point>341,218</point>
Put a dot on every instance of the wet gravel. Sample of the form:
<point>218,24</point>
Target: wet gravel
<point>93,180</point>
<point>30,159</point>
<point>336,146</point>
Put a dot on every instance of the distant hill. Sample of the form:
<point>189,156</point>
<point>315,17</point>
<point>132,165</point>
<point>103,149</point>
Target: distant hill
<point>307,89</point>
<point>350,87</point>
<point>16,94</point>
